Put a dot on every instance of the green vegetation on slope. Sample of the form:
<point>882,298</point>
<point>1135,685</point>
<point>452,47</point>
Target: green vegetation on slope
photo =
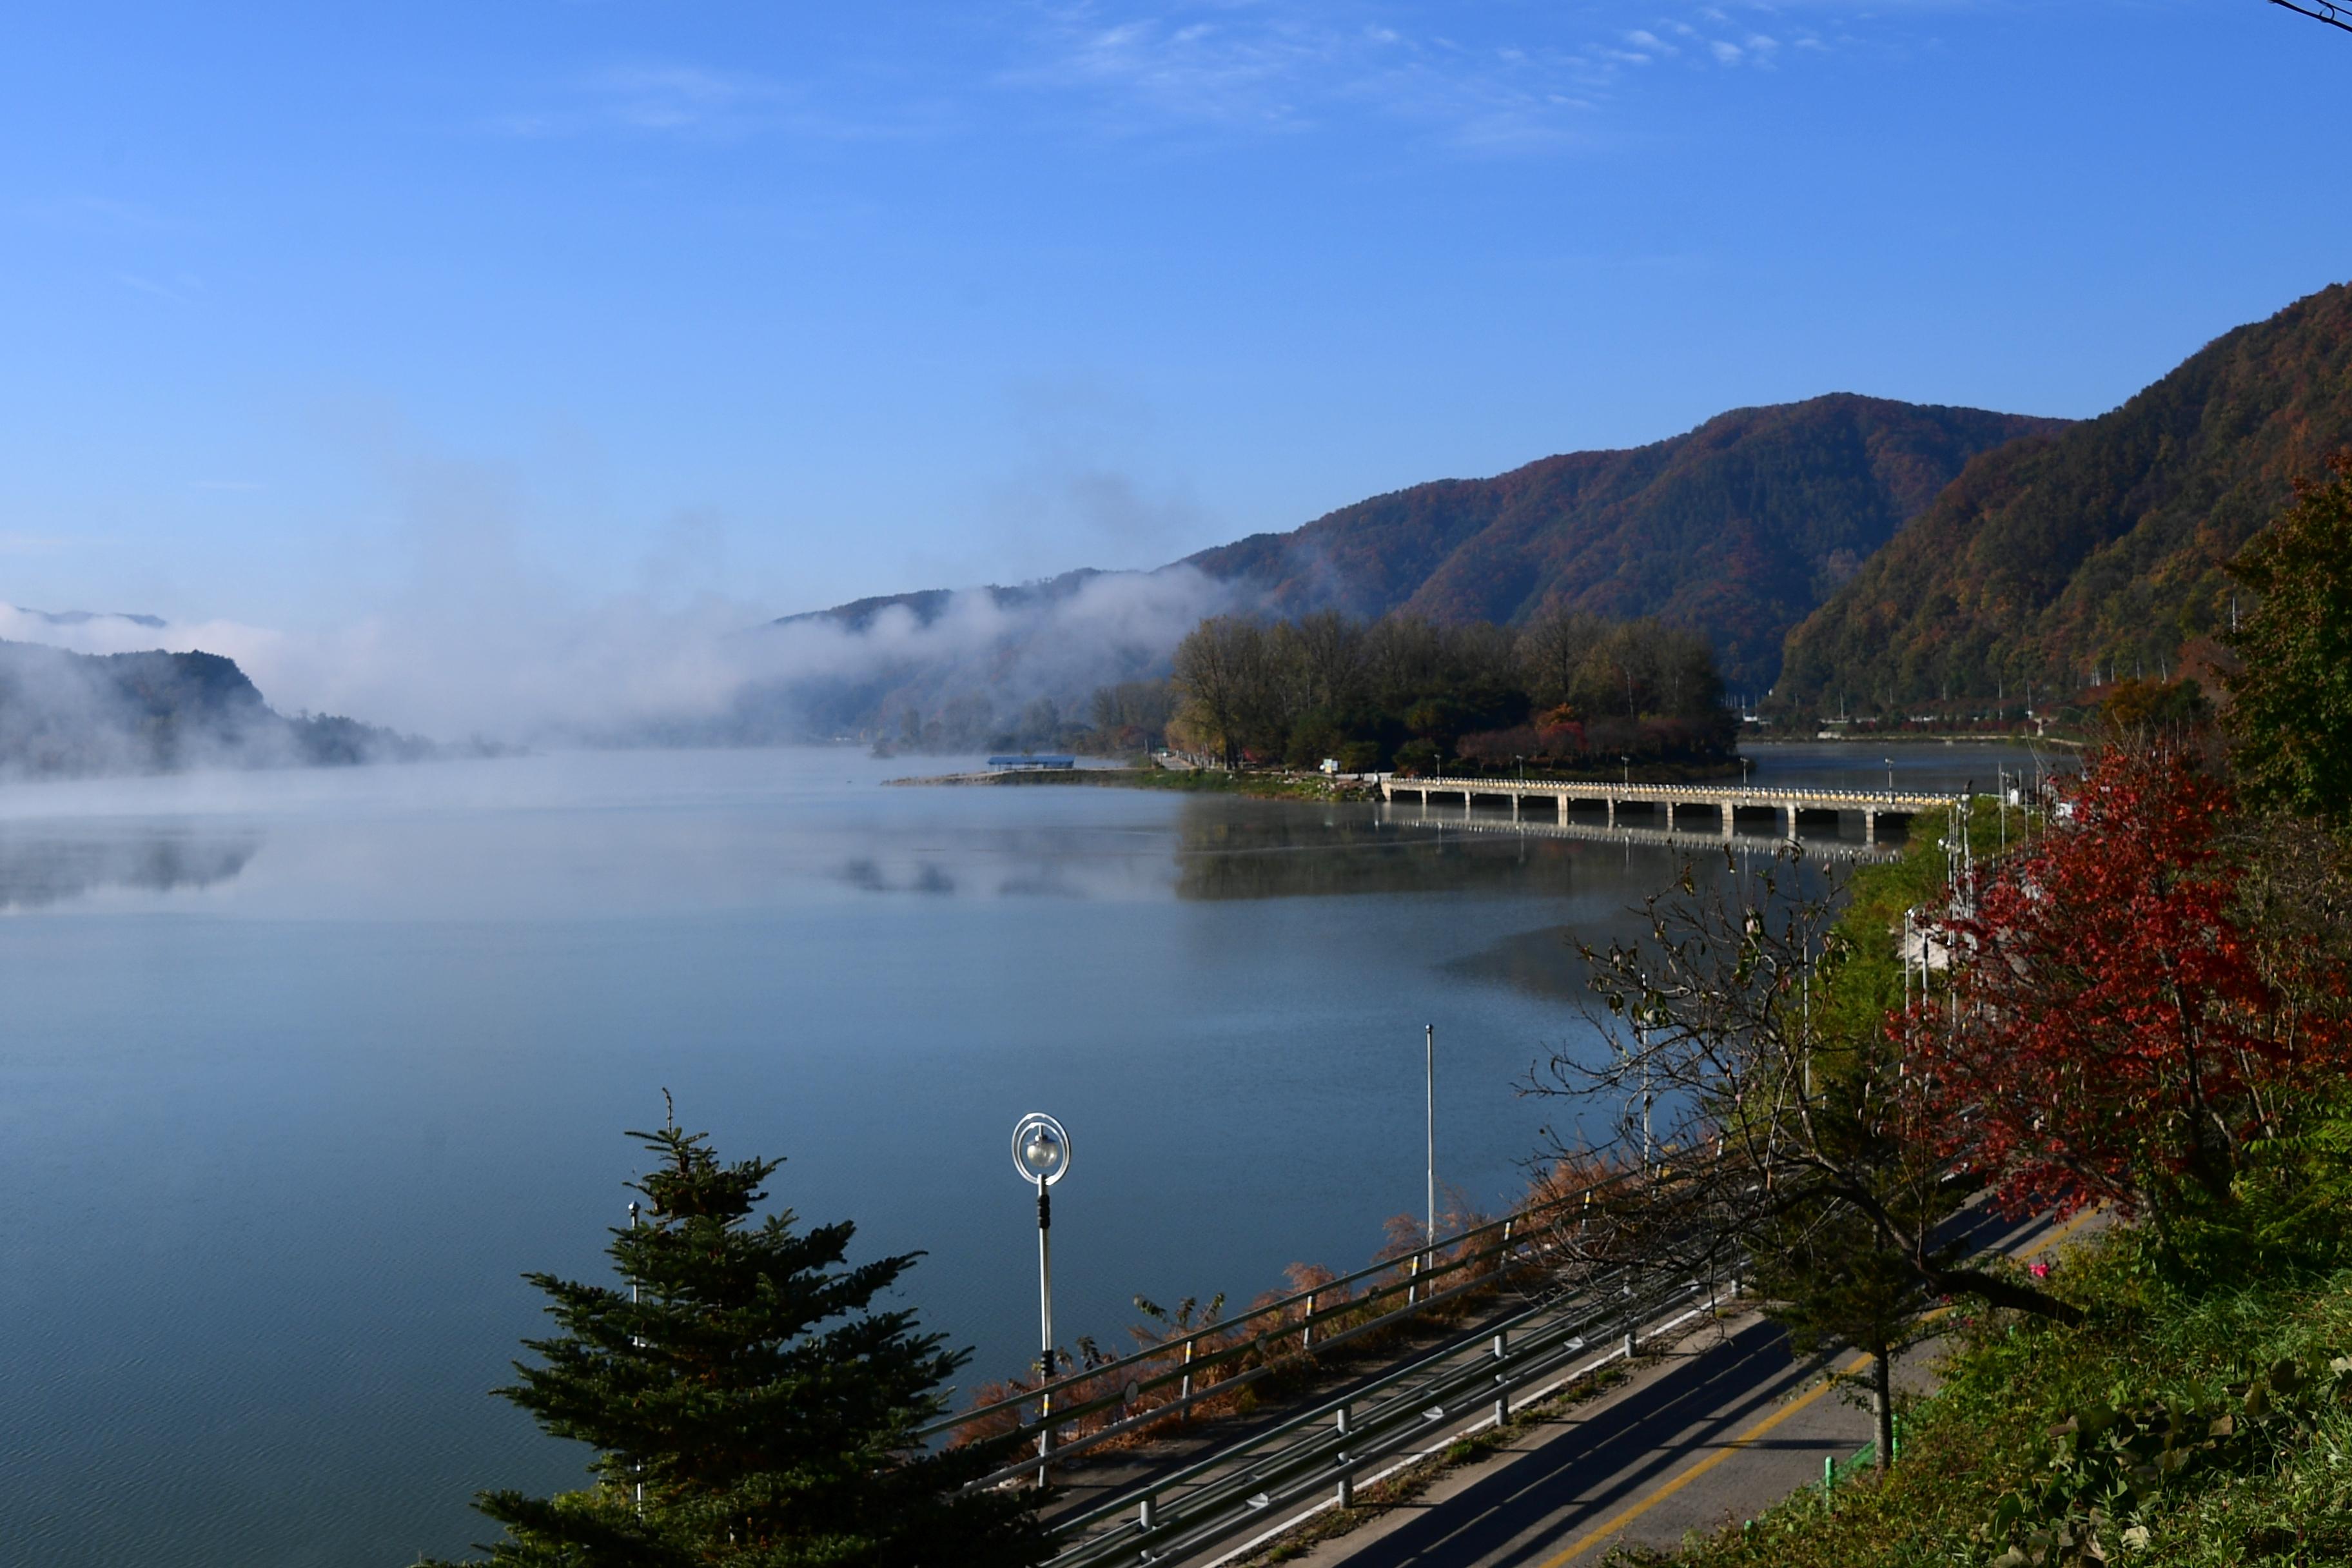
<point>2179,1425</point>
<point>2098,553</point>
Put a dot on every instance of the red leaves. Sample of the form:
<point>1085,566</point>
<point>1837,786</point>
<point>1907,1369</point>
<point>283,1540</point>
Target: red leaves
<point>2115,1040</point>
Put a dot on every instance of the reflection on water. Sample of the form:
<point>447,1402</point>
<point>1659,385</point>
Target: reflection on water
<point>1347,850</point>
<point>37,869</point>
<point>1540,963</point>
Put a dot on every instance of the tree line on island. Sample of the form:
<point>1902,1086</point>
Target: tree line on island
<point>1566,693</point>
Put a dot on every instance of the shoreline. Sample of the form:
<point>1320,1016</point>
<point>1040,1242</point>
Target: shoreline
<point>1263,787</point>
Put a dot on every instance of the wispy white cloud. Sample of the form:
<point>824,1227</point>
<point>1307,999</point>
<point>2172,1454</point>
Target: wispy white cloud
<point>180,289</point>
<point>687,103</point>
<point>89,214</point>
<point>1289,65</point>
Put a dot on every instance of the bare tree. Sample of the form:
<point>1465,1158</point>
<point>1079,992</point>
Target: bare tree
<point>1223,670</point>
<point>1747,1109</point>
<point>1322,657</point>
<point>1552,648</point>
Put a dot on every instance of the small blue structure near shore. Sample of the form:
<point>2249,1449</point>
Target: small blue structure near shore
<point>1031,764</point>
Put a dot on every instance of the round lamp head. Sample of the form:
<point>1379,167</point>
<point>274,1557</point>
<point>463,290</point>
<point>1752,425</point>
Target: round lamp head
<point>1041,1149</point>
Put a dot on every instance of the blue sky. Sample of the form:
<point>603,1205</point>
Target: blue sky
<point>312,312</point>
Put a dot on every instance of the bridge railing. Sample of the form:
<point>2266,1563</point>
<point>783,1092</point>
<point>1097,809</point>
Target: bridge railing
<point>1602,788</point>
<point>1168,1380</point>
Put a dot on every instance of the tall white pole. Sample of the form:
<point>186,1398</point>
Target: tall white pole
<point>1430,1032</point>
<point>1045,1328</point>
<point>637,1340</point>
<point>1045,1282</point>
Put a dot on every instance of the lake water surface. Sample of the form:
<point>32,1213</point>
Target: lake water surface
<point>300,1072</point>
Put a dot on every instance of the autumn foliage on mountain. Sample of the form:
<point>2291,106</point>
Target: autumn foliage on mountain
<point>1734,530</point>
<point>2099,553</point>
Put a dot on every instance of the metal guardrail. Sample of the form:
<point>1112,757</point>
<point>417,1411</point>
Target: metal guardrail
<point>1271,1333</point>
<point>1273,1479</point>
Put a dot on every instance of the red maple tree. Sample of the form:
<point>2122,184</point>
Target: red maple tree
<point>2109,1035</point>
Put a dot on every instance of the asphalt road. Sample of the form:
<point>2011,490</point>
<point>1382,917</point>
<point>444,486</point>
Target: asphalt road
<point>1722,1427</point>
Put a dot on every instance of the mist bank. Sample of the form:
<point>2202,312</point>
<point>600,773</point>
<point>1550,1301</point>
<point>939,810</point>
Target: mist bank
<point>73,714</point>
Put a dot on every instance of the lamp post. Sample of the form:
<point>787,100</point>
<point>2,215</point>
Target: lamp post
<point>1041,1153</point>
<point>1429,1034</point>
<point>1890,778</point>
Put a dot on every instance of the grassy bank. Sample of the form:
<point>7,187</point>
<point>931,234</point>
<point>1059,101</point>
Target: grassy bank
<point>2178,1426</point>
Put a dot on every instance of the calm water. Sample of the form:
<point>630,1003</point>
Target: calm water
<point>300,1072</point>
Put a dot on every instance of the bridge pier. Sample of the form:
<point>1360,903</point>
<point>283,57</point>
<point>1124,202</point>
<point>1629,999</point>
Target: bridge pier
<point>1792,821</point>
<point>1611,802</point>
<point>1727,809</point>
<point>1869,826</point>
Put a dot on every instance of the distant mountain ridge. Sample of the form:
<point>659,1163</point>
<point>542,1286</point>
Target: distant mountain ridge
<point>1736,530</point>
<point>2097,550</point>
<point>72,713</point>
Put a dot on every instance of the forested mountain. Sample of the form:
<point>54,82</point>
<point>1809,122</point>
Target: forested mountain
<point>1737,529</point>
<point>151,712</point>
<point>2095,552</point>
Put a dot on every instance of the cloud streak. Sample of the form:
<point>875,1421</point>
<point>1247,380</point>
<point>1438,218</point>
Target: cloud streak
<point>1294,65</point>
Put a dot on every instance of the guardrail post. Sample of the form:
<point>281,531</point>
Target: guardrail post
<point>1307,1326</point>
<point>1502,1390</point>
<point>1346,1477</point>
<point>1143,1514</point>
<point>1413,1291</point>
<point>1185,1410</point>
<point>1632,1311</point>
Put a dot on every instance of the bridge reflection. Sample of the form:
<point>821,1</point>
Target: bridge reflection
<point>1667,837</point>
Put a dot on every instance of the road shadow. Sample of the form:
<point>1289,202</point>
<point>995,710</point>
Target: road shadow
<point>1687,1412</point>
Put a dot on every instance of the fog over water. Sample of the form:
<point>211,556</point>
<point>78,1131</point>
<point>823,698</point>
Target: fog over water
<point>304,1069</point>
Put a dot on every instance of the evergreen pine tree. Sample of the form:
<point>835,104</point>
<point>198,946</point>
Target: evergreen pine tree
<point>748,1406</point>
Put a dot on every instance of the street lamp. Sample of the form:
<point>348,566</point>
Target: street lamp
<point>1890,777</point>
<point>1041,1153</point>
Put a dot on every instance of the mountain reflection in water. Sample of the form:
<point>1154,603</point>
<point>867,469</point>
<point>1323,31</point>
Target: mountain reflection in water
<point>40,869</point>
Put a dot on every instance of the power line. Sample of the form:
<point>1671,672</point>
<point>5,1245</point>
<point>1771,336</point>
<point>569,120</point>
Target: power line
<point>2325,10</point>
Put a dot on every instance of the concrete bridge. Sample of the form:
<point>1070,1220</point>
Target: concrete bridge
<point>1661,802</point>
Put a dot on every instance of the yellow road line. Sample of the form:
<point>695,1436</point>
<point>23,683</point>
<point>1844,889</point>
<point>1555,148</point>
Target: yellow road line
<point>1617,1523</point>
<point>1611,1526</point>
<point>2053,1237</point>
